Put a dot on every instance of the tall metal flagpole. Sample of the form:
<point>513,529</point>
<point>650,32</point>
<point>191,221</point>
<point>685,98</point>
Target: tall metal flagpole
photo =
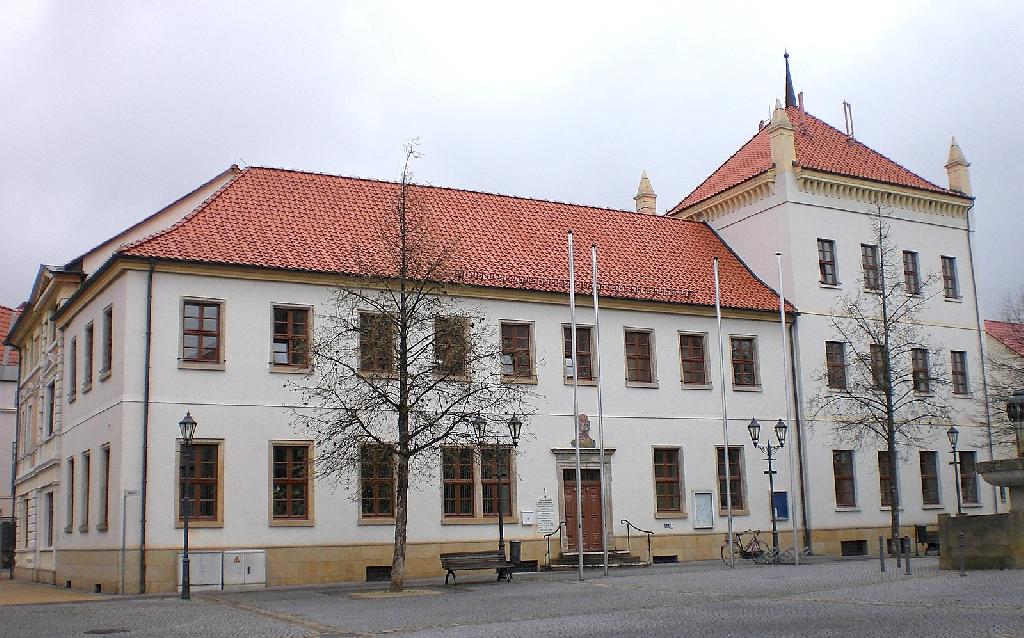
<point>789,417</point>
<point>725,410</point>
<point>600,406</point>
<point>576,410</point>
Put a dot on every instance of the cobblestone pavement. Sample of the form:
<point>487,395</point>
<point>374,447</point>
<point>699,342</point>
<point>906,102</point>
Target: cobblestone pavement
<point>838,598</point>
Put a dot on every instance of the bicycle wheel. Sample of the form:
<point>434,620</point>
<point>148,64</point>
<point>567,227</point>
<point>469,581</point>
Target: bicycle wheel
<point>725,552</point>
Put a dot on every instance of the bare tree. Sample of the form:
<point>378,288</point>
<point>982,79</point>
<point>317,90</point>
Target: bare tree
<point>401,367</point>
<point>882,386</point>
<point>1005,365</point>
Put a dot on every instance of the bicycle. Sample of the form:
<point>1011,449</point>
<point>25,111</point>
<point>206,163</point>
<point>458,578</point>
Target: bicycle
<point>753,549</point>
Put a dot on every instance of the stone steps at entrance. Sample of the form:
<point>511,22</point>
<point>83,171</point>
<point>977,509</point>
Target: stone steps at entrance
<point>591,560</point>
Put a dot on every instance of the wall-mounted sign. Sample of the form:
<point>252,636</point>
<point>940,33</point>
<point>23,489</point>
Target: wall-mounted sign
<point>703,510</point>
<point>547,521</point>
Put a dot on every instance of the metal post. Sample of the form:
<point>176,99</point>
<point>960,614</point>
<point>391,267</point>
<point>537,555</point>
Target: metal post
<point>789,415</point>
<point>956,481</point>
<point>771,503</point>
<point>881,552</point>
<point>124,528</point>
<point>600,408</point>
<point>186,582</point>
<point>14,501</point>
<point>576,407</point>
<point>907,559</point>
<point>963,545</point>
<point>501,500</point>
<point>725,411</point>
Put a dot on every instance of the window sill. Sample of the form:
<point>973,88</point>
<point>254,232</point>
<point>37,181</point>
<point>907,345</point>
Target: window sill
<point>104,374</point>
<point>746,388</point>
<point>734,513</point>
<point>193,524</point>
<point>953,299</point>
<point>102,527</point>
<point>383,520</point>
<point>68,530</point>
<point>285,369</point>
<point>925,393</point>
<point>972,506</point>
<point>641,384</point>
<point>530,380</point>
<point>873,291</point>
<point>291,522</point>
<point>830,286</point>
<point>71,399</point>
<point>933,507</point>
<point>582,382</point>
<point>847,509</point>
<point>84,528</point>
<point>695,386</point>
<point>963,395</point>
<point>673,514</point>
<point>86,387</point>
<point>887,508</point>
<point>200,365</point>
<point>478,520</point>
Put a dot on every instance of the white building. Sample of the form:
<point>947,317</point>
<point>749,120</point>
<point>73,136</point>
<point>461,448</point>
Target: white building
<point>8,420</point>
<point>178,314</point>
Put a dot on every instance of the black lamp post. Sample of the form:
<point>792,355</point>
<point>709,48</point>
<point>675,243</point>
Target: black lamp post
<point>1015,410</point>
<point>515,427</point>
<point>953,434</point>
<point>780,435</point>
<point>188,430</point>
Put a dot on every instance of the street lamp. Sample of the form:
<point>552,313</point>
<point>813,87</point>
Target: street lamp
<point>954,435</point>
<point>754,429</point>
<point>515,427</point>
<point>1015,410</point>
<point>188,430</point>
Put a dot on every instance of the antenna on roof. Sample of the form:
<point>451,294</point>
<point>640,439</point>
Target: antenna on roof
<point>848,115</point>
<point>242,163</point>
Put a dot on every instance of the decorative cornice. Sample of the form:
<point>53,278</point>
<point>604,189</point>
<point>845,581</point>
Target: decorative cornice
<point>743,194</point>
<point>842,187</point>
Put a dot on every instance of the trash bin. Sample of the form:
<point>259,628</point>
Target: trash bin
<point>515,552</point>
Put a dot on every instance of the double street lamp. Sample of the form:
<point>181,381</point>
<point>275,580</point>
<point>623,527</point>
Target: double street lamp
<point>515,427</point>
<point>754,429</point>
<point>954,435</point>
<point>188,430</point>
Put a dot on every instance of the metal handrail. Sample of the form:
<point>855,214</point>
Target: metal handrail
<point>642,531</point>
<point>547,539</point>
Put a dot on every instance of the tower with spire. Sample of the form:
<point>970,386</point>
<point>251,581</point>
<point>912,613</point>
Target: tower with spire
<point>646,200</point>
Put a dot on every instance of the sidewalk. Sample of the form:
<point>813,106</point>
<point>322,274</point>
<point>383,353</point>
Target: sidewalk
<point>22,592</point>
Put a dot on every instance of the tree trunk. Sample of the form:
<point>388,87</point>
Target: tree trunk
<point>401,524</point>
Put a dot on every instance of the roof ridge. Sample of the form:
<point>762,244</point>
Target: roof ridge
<point>869,148</point>
<point>455,189</point>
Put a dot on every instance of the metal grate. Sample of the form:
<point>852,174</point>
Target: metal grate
<point>378,572</point>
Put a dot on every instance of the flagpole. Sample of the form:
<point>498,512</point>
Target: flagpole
<point>725,410</point>
<point>576,409</point>
<point>789,416</point>
<point>600,406</point>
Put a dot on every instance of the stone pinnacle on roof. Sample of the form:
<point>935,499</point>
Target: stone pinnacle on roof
<point>646,199</point>
<point>958,169</point>
<point>956,155</point>
<point>790,93</point>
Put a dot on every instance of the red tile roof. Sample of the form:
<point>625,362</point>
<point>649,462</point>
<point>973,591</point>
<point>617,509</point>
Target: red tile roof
<point>818,146</point>
<point>8,355</point>
<point>1010,335</point>
<point>275,218</point>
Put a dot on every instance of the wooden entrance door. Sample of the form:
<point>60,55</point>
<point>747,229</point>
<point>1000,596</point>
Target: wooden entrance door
<point>591,490</point>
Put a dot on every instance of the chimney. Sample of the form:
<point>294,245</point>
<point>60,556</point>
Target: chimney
<point>800,100</point>
<point>646,200</point>
<point>958,169</point>
<point>782,139</point>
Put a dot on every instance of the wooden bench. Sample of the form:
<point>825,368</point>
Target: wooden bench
<point>455,561</point>
<point>928,538</point>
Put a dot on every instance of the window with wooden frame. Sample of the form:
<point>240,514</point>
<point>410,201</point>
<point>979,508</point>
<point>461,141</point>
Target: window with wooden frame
<point>291,337</point>
<point>835,364</point>
<point>459,487</point>
<point>451,348</point>
<point>920,373</point>
<point>583,352</point>
<point>639,365</point>
<point>744,361</point>
<point>950,281</point>
<point>69,512</point>
<point>929,477</point>
<point>104,489</point>
<point>884,478</point>
<point>51,408</point>
<point>958,367</point>
<point>517,350</point>
<point>878,366</point>
<point>667,481</point>
<point>201,331</point>
<point>736,483</point>
<point>377,481</point>
<point>842,473</point>
<point>376,343</point>
<point>290,481</point>
<point>90,344</point>
<point>50,522</point>
<point>827,262</point>
<point>496,479</point>
<point>73,369</point>
<point>86,491</point>
<point>911,273</point>
<point>199,481</point>
<point>693,358</point>
<point>107,352</point>
<point>869,264</point>
<point>969,477</point>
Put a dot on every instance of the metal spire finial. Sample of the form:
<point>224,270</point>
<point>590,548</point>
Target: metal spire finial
<point>790,93</point>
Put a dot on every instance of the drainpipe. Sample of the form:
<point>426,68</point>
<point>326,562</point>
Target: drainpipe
<point>14,465</point>
<point>145,428</point>
<point>794,351</point>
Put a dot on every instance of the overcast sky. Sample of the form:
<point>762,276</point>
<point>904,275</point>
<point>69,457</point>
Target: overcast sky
<point>113,110</point>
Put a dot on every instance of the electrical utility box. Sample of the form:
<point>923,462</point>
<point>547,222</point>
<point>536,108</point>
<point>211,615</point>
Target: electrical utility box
<point>245,569</point>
